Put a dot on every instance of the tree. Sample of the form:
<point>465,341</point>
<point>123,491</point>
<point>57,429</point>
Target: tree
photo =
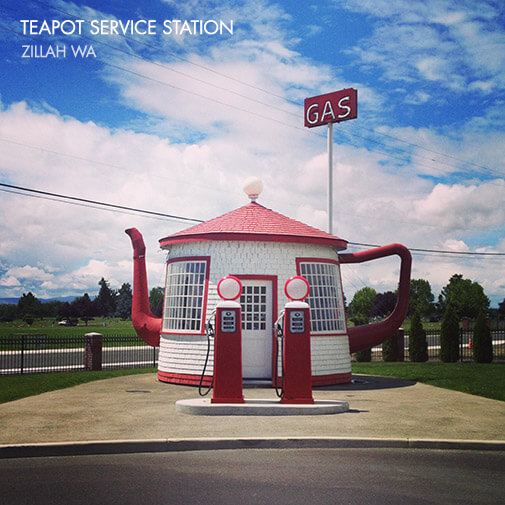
<point>8,311</point>
<point>501,308</point>
<point>106,299</point>
<point>83,308</point>
<point>124,302</point>
<point>482,342</point>
<point>64,311</point>
<point>156,301</point>
<point>467,297</point>
<point>29,305</point>
<point>52,308</point>
<point>421,298</point>
<point>393,348</point>
<point>418,346</point>
<point>364,356</point>
<point>383,304</point>
<point>449,335</point>
<point>361,303</point>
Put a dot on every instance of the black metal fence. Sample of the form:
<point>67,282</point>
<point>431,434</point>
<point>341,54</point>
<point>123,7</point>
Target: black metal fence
<point>41,353</point>
<point>465,346</point>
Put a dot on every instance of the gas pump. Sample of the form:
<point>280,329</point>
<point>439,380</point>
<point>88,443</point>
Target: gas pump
<point>228,343</point>
<point>297,370</point>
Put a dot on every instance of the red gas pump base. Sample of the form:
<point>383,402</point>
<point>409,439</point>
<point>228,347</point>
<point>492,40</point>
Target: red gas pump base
<point>227,400</point>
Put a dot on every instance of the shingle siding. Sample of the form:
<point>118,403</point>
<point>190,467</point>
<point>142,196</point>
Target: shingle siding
<point>185,354</point>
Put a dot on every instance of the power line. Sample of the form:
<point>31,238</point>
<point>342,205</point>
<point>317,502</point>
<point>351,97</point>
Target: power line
<point>259,101</point>
<point>73,199</point>
<point>437,251</point>
<point>98,203</point>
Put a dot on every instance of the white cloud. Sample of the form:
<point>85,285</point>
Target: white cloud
<point>455,245</point>
<point>457,207</point>
<point>9,282</point>
<point>66,249</point>
<point>456,44</point>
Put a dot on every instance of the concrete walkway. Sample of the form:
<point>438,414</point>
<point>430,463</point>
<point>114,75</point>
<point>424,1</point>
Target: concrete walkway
<point>138,407</point>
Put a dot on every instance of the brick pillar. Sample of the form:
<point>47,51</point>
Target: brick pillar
<point>93,351</point>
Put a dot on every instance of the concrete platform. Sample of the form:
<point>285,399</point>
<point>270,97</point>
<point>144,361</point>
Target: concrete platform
<point>259,407</point>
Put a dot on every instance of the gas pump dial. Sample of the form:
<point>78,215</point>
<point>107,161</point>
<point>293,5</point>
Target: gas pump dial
<point>229,321</point>
<point>296,321</point>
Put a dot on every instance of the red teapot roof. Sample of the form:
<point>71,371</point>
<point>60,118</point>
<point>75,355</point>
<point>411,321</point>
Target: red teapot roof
<point>254,222</point>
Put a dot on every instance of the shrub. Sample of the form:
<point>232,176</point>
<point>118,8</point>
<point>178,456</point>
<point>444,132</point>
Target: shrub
<point>393,348</point>
<point>449,336</point>
<point>482,341</point>
<point>418,346</point>
<point>389,350</point>
<point>364,356</point>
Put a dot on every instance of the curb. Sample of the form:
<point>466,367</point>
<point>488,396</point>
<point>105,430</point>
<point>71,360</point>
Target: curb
<point>97,447</point>
<point>259,407</point>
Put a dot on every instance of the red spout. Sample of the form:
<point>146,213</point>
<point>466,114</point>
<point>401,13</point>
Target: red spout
<point>369,335</point>
<point>146,325</point>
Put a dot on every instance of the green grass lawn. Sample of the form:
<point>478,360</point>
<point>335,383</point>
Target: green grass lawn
<point>486,380</point>
<point>50,327</point>
<point>13,387</point>
<point>482,380</point>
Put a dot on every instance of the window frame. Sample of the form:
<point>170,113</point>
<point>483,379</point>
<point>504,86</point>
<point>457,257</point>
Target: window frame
<point>202,307</point>
<point>315,309</point>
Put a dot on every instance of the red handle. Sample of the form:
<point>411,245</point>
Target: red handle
<point>369,335</point>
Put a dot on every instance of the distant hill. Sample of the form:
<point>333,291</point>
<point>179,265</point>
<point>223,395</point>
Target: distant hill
<point>43,300</point>
<point>9,300</point>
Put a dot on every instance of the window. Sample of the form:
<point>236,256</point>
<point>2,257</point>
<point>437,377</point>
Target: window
<point>253,301</point>
<point>325,299</point>
<point>185,295</point>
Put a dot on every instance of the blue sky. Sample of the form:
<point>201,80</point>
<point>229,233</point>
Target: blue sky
<point>175,124</point>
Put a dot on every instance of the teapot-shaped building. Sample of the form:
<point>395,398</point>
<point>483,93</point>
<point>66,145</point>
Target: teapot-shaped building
<point>263,249</point>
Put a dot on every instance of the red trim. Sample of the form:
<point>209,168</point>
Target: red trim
<point>313,260</point>
<point>205,295</point>
<point>251,237</point>
<point>326,380</point>
<point>330,380</point>
<point>194,380</point>
<point>178,378</point>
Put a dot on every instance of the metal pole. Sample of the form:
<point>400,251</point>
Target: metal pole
<point>330,178</point>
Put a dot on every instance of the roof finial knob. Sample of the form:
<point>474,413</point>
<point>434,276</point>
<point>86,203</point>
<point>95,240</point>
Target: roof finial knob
<point>253,187</point>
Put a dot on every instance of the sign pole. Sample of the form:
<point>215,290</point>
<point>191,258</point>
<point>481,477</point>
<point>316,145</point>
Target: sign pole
<point>328,109</point>
<point>330,178</point>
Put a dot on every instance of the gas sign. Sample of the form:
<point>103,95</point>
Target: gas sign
<point>331,107</point>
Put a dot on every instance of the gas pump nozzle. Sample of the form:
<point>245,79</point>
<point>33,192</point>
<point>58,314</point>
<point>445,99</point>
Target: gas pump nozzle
<point>279,333</point>
<point>209,331</point>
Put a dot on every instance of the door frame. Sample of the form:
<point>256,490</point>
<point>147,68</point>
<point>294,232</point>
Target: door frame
<point>273,279</point>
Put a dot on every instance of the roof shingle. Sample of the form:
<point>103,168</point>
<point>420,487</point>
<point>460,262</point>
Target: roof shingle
<point>254,222</point>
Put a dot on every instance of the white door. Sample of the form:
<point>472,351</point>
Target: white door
<point>257,306</point>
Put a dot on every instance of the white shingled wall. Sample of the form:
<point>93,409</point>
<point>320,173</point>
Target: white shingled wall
<point>185,354</point>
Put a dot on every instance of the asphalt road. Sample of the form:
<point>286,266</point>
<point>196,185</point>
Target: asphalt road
<point>253,476</point>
